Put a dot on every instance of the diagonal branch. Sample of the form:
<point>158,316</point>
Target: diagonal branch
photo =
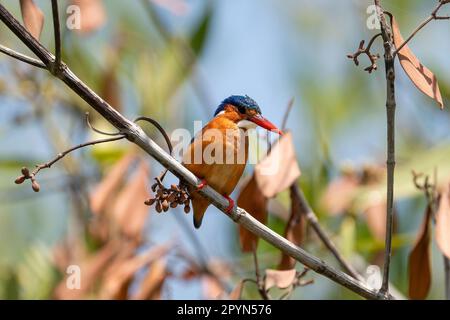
<point>136,135</point>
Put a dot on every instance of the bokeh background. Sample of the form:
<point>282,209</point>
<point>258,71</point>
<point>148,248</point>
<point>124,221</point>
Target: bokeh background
<point>176,60</point>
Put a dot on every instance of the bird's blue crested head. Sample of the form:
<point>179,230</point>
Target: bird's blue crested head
<point>242,103</point>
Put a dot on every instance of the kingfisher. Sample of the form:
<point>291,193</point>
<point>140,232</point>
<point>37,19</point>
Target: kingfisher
<point>217,155</point>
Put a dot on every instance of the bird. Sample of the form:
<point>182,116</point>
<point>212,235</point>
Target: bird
<point>223,136</point>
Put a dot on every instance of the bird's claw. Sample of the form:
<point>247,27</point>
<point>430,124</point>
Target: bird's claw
<point>201,185</point>
<point>230,205</point>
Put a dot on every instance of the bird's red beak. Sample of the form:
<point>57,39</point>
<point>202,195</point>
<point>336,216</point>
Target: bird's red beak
<point>264,123</point>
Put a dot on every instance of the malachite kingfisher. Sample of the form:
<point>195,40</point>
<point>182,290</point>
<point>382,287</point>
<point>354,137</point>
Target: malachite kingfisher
<point>233,117</point>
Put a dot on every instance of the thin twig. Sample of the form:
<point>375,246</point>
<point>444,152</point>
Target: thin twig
<point>22,57</point>
<point>88,122</point>
<point>57,33</point>
<point>259,280</point>
<point>389,49</point>
<point>286,113</point>
<point>136,135</point>
<point>61,155</point>
<point>433,16</point>
<point>447,277</point>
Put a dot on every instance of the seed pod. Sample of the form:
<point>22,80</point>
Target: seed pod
<point>187,209</point>
<point>186,202</point>
<point>35,186</point>
<point>25,172</point>
<point>172,197</point>
<point>173,204</point>
<point>165,205</point>
<point>158,207</point>
<point>19,179</point>
<point>150,201</point>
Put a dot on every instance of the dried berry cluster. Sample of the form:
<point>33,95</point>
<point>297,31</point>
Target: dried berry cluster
<point>27,175</point>
<point>172,197</point>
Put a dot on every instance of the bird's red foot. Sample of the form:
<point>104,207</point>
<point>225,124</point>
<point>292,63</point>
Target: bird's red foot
<point>230,204</point>
<point>201,185</point>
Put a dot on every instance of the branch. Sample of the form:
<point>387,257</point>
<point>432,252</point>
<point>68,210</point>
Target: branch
<point>389,49</point>
<point>136,135</point>
<point>22,57</point>
<point>433,16</point>
<point>57,32</point>
<point>26,174</point>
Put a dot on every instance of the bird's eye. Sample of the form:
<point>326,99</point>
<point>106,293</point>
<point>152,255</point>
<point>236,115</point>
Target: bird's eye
<point>241,109</point>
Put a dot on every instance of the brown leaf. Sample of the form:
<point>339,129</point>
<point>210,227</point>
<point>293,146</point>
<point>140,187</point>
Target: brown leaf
<point>253,201</point>
<point>110,90</point>
<point>276,208</point>
<point>93,14</point>
<point>119,275</point>
<point>279,278</point>
<point>151,286</point>
<point>422,77</point>
<point>91,269</point>
<point>339,194</point>
<point>376,219</point>
<point>420,261</point>
<point>212,289</point>
<point>33,18</point>
<point>442,233</point>
<point>237,291</point>
<point>129,210</point>
<point>104,193</point>
<point>294,231</point>
<point>279,169</point>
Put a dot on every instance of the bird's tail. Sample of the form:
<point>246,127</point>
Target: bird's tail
<point>199,206</point>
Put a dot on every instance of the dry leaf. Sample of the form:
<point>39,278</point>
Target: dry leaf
<point>253,201</point>
<point>119,275</point>
<point>339,194</point>
<point>91,269</point>
<point>212,289</point>
<point>33,18</point>
<point>422,77</point>
<point>104,193</point>
<point>294,231</point>
<point>110,90</point>
<point>151,286</point>
<point>279,169</point>
<point>237,291</point>
<point>420,261</point>
<point>376,218</point>
<point>279,278</point>
<point>442,233</point>
<point>276,208</point>
<point>93,14</point>
<point>129,210</point>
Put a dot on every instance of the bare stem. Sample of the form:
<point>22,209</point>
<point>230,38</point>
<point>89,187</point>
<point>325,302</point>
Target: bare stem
<point>22,57</point>
<point>61,155</point>
<point>389,49</point>
<point>259,280</point>
<point>447,277</point>
<point>57,33</point>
